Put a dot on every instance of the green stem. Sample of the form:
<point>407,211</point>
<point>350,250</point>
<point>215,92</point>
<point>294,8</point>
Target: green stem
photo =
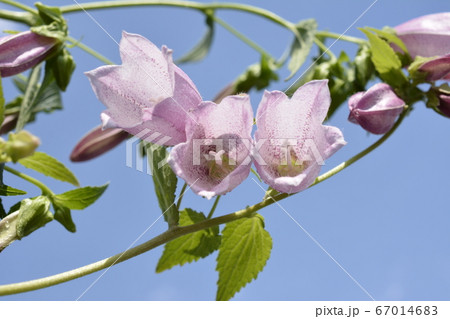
<point>22,17</point>
<point>177,231</point>
<point>89,50</point>
<point>183,189</point>
<point>20,6</point>
<point>184,4</point>
<point>213,208</point>
<point>241,37</point>
<point>333,35</point>
<point>324,48</point>
<point>45,190</point>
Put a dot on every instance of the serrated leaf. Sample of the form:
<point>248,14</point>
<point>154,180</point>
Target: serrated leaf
<point>201,49</point>
<point>165,182</point>
<point>49,99</point>
<point>191,247</point>
<point>64,216</point>
<point>49,166</point>
<point>80,198</point>
<point>300,47</point>
<point>33,214</point>
<point>385,60</point>
<point>10,191</point>
<point>390,36</point>
<point>243,253</point>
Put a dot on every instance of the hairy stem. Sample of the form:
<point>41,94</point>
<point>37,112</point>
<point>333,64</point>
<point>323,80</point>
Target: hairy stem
<point>184,4</point>
<point>177,231</point>
<point>22,17</point>
<point>213,208</point>
<point>20,6</point>
<point>45,190</point>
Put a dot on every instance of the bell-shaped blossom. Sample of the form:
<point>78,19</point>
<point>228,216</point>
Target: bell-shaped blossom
<point>426,36</point>
<point>291,143</point>
<point>24,50</point>
<point>375,109</point>
<point>216,156</point>
<point>96,142</point>
<point>147,93</point>
<point>437,68</point>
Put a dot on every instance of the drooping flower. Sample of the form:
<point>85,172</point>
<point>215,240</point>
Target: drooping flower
<point>291,143</point>
<point>216,156</point>
<point>426,36</point>
<point>375,109</point>
<point>97,142</point>
<point>147,93</point>
<point>24,50</point>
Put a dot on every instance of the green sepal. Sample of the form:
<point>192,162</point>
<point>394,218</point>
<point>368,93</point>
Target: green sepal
<point>62,66</point>
<point>191,247</point>
<point>33,214</point>
<point>64,217</point>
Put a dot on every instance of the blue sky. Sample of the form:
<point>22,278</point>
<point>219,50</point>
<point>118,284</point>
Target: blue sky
<point>385,219</point>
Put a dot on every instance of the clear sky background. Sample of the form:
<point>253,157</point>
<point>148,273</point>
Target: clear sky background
<point>385,219</point>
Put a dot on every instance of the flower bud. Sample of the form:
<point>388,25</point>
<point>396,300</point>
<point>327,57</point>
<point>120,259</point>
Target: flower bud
<point>19,145</point>
<point>22,51</point>
<point>97,142</point>
<point>426,36</point>
<point>444,104</point>
<point>376,109</point>
<point>9,123</point>
<point>437,68</point>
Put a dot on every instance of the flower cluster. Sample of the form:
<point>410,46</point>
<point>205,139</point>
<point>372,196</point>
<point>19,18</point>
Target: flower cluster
<point>213,146</point>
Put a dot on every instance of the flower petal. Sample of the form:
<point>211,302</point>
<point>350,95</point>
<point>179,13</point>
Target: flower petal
<point>214,160</point>
<point>291,141</point>
<point>427,35</point>
<point>437,69</point>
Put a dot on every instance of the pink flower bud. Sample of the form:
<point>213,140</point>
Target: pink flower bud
<point>376,109</point>
<point>426,36</point>
<point>437,69</point>
<point>97,142</point>
<point>22,51</point>
<point>444,104</point>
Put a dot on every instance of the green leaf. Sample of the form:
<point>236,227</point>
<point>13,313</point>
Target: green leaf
<point>33,214</point>
<point>301,47</point>
<point>3,213</point>
<point>49,14</point>
<point>165,182</point>
<point>389,35</point>
<point>80,198</point>
<point>202,48</point>
<point>385,60</point>
<point>2,103</point>
<point>256,76</point>
<point>10,191</point>
<point>64,216</point>
<point>31,92</point>
<point>49,166</point>
<point>243,253</point>
<point>49,99</point>
<point>191,247</point>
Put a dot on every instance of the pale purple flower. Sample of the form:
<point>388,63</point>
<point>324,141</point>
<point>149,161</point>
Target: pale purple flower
<point>375,109</point>
<point>147,93</point>
<point>24,50</point>
<point>96,142</point>
<point>437,69</point>
<point>291,143</point>
<point>216,156</point>
<point>426,36</point>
